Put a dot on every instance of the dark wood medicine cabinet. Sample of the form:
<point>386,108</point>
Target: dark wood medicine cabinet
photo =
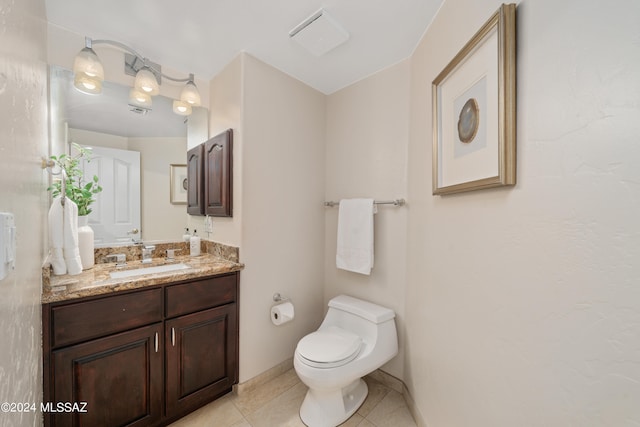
<point>210,177</point>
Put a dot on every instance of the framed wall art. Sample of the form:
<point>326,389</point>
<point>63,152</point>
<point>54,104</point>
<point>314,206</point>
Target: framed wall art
<point>474,111</point>
<point>178,190</point>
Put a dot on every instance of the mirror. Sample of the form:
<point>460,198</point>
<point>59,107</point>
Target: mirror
<point>110,124</point>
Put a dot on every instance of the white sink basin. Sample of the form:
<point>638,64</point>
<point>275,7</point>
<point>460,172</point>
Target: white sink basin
<point>148,270</point>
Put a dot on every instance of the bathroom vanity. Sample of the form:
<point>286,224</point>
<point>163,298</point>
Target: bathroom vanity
<point>142,350</point>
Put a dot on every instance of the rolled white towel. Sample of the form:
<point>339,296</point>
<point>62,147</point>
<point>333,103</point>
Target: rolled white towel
<point>56,240</point>
<point>70,238</point>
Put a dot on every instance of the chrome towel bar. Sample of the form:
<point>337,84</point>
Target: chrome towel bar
<point>396,202</point>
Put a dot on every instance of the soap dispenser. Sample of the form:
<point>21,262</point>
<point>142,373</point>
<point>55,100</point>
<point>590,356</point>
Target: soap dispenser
<point>186,236</point>
<point>194,244</point>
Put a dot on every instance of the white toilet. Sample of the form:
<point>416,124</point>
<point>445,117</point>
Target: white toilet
<point>355,338</point>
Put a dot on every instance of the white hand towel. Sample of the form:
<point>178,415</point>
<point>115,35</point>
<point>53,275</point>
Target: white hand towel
<point>355,235</point>
<point>56,240</point>
<point>70,238</point>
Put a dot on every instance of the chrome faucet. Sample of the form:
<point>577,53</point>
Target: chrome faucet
<point>171,254</point>
<point>147,253</point>
<point>120,259</point>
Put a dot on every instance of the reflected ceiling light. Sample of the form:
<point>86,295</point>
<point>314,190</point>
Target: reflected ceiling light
<point>190,93</point>
<point>138,98</point>
<point>87,84</point>
<point>182,108</point>
<point>89,75</point>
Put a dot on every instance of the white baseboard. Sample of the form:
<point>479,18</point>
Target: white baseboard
<point>264,377</point>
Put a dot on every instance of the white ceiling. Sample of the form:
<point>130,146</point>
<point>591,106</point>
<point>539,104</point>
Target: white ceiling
<point>202,36</point>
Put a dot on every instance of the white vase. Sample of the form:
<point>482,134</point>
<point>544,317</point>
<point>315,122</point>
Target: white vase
<point>85,242</point>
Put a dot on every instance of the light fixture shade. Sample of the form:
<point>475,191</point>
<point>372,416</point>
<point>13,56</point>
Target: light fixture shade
<point>146,82</point>
<point>88,72</point>
<point>86,84</point>
<point>182,108</point>
<point>87,62</point>
<point>190,94</point>
<point>139,98</point>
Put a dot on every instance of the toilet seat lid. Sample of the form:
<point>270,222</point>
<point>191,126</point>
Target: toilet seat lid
<point>329,346</point>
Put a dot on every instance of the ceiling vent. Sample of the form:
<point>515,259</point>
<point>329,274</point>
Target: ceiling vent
<point>139,110</point>
<point>319,33</point>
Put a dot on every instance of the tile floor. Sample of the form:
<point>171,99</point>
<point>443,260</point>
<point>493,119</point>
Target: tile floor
<point>276,404</point>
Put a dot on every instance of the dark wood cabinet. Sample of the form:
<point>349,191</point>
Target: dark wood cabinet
<point>210,177</point>
<point>195,185</point>
<point>218,164</point>
<point>178,354</point>
<point>200,357</point>
<point>119,377</point>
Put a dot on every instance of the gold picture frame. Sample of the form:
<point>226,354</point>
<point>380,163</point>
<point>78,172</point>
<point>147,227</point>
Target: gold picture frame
<point>178,184</point>
<point>474,111</point>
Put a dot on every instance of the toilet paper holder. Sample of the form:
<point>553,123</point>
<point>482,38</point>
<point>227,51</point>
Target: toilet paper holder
<point>279,298</point>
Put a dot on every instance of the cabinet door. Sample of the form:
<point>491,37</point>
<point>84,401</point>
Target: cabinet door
<point>201,357</point>
<point>195,188</point>
<point>119,377</point>
<point>218,163</point>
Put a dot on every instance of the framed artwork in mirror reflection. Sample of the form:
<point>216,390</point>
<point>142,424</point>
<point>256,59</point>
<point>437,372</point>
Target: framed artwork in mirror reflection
<point>178,182</point>
<point>474,111</point>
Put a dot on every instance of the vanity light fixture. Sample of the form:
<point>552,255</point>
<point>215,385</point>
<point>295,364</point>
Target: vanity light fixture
<point>88,70</point>
<point>89,75</point>
<point>87,84</point>
<point>146,82</point>
<point>138,98</point>
<point>181,107</point>
<point>190,93</point>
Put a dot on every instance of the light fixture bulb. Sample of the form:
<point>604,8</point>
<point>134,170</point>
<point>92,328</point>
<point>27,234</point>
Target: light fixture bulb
<point>146,82</point>
<point>87,62</point>
<point>87,84</point>
<point>139,98</point>
<point>190,93</point>
<point>181,108</point>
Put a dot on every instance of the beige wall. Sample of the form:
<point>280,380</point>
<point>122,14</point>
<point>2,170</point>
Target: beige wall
<point>366,156</point>
<point>283,217</point>
<point>98,139</point>
<point>278,154</point>
<point>23,142</point>
<point>161,220</point>
<point>523,304</point>
<point>226,113</point>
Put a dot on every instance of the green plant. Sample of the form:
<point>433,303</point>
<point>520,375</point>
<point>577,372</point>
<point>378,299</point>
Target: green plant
<point>76,189</point>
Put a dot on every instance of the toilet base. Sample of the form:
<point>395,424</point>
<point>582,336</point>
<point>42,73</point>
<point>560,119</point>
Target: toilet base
<point>322,408</point>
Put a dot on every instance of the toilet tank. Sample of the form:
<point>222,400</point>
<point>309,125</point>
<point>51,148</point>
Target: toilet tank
<point>373,323</point>
<point>363,309</point>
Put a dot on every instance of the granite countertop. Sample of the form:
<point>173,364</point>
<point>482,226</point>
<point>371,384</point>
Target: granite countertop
<point>97,281</point>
